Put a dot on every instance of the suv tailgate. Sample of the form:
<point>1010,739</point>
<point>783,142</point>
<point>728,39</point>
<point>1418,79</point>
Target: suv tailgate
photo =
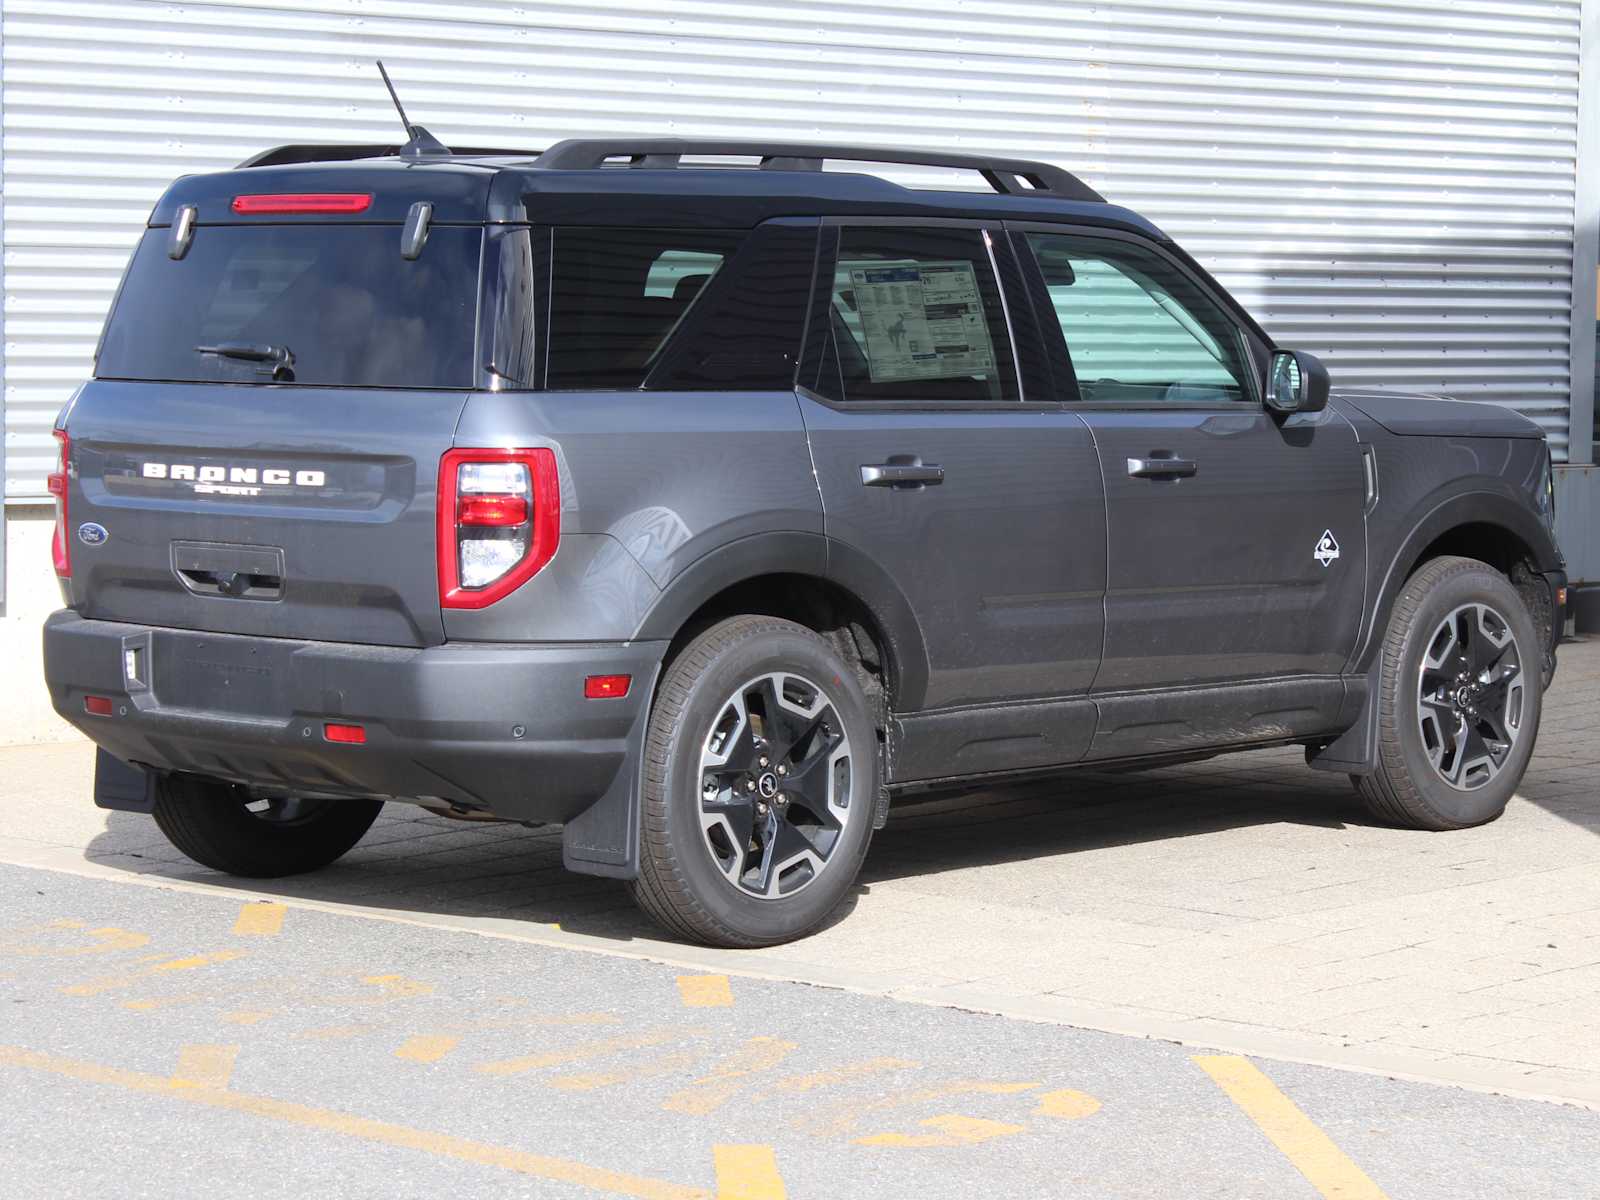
<point>282,511</point>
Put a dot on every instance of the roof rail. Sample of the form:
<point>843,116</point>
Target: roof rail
<point>1009,176</point>
<point>311,152</point>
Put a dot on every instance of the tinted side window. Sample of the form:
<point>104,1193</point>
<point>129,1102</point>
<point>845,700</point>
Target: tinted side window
<point>915,314</point>
<point>1137,328</point>
<point>617,296</point>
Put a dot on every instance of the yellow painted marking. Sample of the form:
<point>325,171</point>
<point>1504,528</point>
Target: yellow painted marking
<point>205,1066</point>
<point>539,1166</point>
<point>846,1117</point>
<point>667,1064</point>
<point>336,1033</point>
<point>706,1095</point>
<point>844,1074</point>
<point>1310,1150</point>
<point>1068,1105</point>
<point>747,1173</point>
<point>107,940</point>
<point>96,986</point>
<point>152,1003</point>
<point>260,919</point>
<point>950,1129</point>
<point>425,1049</point>
<point>595,1049</point>
<point>245,1017</point>
<point>705,991</point>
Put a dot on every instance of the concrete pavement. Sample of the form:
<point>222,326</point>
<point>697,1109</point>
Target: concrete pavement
<point>1245,903</point>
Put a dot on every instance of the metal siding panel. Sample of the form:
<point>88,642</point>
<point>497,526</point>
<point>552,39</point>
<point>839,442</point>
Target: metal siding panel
<point>1390,186</point>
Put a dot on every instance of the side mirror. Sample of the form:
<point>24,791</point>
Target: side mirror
<point>1296,382</point>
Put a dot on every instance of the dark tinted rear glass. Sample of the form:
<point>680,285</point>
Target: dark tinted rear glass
<point>341,299</point>
<point>618,295</point>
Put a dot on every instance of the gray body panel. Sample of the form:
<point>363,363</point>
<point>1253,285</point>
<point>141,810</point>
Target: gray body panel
<point>357,552</point>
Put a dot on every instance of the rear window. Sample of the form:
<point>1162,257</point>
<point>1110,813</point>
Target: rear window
<point>340,299</point>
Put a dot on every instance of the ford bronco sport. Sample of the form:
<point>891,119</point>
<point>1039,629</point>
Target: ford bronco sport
<point>703,500</point>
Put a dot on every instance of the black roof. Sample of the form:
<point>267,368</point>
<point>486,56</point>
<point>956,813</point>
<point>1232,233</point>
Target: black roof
<point>643,181</point>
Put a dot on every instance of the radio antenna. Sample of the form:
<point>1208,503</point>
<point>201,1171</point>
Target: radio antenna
<point>420,142</point>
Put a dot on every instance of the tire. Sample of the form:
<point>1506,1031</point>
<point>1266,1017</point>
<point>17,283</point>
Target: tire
<point>214,824</point>
<point>707,869</point>
<point>1424,732</point>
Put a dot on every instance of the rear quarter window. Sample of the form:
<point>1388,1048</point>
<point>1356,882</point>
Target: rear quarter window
<point>339,298</point>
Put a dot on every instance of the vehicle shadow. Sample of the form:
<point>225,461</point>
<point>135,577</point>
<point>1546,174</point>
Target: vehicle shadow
<point>414,863</point>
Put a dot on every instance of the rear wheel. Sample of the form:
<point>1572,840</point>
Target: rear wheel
<point>1460,699</point>
<point>760,770</point>
<point>219,826</point>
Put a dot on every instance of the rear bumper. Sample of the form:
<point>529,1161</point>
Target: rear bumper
<point>495,727</point>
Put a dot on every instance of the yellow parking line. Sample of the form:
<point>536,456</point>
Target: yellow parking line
<point>1311,1151</point>
<point>595,1049</point>
<point>747,1173</point>
<point>950,1129</point>
<point>704,1096</point>
<point>426,1049</point>
<point>205,1066</point>
<point>259,919</point>
<point>705,991</point>
<point>444,1145</point>
<point>96,986</point>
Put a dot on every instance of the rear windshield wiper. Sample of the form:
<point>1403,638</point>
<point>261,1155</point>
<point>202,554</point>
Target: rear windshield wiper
<point>281,357</point>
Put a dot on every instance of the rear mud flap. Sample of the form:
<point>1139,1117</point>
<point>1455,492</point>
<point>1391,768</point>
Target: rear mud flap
<point>122,787</point>
<point>604,838</point>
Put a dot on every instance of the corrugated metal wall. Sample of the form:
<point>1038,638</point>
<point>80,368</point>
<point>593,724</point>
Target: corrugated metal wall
<point>1388,184</point>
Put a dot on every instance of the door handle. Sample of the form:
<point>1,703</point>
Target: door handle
<point>900,474</point>
<point>1161,467</point>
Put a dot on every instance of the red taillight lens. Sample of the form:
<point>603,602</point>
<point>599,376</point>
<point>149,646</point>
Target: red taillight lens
<point>606,687</point>
<point>494,511</point>
<point>326,203</point>
<point>56,484</point>
<point>350,735</point>
<point>499,522</point>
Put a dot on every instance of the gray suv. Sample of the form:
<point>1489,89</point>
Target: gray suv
<point>705,501</point>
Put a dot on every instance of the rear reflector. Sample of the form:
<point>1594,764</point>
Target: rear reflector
<point>606,687</point>
<point>304,202</point>
<point>350,735</point>
<point>99,706</point>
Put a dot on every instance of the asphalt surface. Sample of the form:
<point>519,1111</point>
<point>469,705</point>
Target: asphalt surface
<point>159,1042</point>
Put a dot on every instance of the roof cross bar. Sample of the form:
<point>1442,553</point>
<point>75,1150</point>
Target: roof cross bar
<point>1009,176</point>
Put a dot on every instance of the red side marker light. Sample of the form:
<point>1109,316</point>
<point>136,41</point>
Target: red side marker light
<point>606,687</point>
<point>99,706</point>
<point>350,735</point>
<point>326,203</point>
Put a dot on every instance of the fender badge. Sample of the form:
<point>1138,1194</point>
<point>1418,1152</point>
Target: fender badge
<point>1327,548</point>
<point>91,534</point>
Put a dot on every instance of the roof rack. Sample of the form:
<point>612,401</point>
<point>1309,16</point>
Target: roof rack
<point>1008,176</point>
<point>310,152</point>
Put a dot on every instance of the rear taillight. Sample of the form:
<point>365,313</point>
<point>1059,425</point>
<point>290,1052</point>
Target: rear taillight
<point>56,484</point>
<point>499,522</point>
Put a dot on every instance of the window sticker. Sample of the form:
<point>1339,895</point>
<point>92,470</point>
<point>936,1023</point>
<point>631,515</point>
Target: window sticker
<point>921,320</point>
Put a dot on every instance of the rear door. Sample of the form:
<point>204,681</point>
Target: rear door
<point>261,443</point>
<point>964,482</point>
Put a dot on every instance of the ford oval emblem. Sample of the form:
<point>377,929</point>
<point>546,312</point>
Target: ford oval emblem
<point>91,534</point>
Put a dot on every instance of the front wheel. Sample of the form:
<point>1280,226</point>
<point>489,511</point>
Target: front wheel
<point>759,778</point>
<point>1459,700</point>
<point>220,826</point>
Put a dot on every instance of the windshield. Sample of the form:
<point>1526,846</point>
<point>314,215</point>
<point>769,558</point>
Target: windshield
<point>307,304</point>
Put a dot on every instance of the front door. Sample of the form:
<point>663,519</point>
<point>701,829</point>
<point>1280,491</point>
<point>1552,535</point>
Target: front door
<point>1236,537</point>
<point>980,501</point>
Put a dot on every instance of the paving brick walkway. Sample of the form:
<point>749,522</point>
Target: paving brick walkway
<point>1246,903</point>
